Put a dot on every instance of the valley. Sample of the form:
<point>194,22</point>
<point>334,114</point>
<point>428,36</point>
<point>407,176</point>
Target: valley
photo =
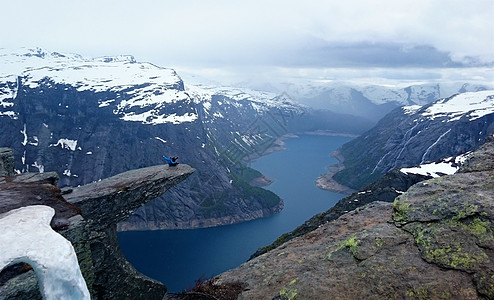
<point>90,119</point>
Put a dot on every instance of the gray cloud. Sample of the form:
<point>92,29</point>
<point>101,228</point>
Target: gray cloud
<point>272,33</point>
<point>389,55</point>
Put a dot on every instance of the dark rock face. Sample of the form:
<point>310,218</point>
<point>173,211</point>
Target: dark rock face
<point>59,128</point>
<point>104,145</point>
<point>436,241</point>
<point>404,139</point>
<point>6,162</point>
<point>87,216</point>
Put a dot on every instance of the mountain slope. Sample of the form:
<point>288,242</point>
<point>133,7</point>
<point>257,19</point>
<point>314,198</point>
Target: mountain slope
<point>414,135</point>
<point>91,118</point>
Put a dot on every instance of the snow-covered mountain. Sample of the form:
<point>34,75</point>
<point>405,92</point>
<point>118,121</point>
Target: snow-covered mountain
<point>91,118</point>
<point>135,85</point>
<point>417,135</point>
<point>366,100</point>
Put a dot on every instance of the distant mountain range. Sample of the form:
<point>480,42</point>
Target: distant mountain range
<point>368,101</point>
<point>91,118</point>
<point>414,135</point>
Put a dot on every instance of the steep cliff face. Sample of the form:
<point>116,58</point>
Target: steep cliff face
<point>87,216</point>
<point>91,118</point>
<point>436,241</point>
<point>411,136</point>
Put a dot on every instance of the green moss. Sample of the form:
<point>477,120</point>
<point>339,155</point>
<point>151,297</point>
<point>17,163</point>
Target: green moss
<point>401,210</point>
<point>479,227</point>
<point>379,242</point>
<point>288,292</point>
<point>351,243</point>
<point>418,293</point>
<point>466,211</point>
<point>421,238</point>
<point>455,257</point>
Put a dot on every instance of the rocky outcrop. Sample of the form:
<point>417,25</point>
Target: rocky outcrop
<point>436,241</point>
<point>112,200</point>
<point>385,189</point>
<point>87,216</point>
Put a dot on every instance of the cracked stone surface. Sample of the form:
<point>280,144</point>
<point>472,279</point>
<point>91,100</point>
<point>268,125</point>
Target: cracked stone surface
<point>436,241</point>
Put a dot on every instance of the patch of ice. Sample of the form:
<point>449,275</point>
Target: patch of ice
<point>66,144</point>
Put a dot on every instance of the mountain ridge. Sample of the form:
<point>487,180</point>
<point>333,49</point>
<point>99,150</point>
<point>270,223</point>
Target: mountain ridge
<point>414,135</point>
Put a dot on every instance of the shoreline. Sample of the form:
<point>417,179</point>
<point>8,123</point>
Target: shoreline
<point>278,145</point>
<point>326,181</point>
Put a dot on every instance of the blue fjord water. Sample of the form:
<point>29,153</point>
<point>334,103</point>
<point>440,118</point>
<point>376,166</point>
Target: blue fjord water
<point>179,257</point>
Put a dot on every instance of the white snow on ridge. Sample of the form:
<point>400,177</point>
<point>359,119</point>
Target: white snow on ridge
<point>474,104</point>
<point>411,109</point>
<point>432,169</point>
<point>447,166</point>
<point>260,100</point>
<point>150,118</point>
<point>145,85</point>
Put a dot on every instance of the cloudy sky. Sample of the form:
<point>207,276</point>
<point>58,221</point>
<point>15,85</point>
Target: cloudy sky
<point>384,39</point>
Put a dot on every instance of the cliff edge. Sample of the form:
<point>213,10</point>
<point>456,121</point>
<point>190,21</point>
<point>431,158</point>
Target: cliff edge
<point>435,241</point>
<point>87,216</point>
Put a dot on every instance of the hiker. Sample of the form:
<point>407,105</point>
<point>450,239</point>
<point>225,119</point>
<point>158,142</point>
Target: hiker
<point>172,160</point>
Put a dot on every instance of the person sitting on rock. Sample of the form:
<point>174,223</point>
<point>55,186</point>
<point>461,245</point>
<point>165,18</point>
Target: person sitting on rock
<point>172,161</point>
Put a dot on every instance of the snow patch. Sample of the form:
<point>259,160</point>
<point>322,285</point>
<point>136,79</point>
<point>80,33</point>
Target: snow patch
<point>24,142</point>
<point>472,104</point>
<point>66,144</point>
<point>150,117</point>
<point>446,166</point>
<point>411,109</point>
<point>41,168</point>
<point>27,237</point>
<point>160,139</point>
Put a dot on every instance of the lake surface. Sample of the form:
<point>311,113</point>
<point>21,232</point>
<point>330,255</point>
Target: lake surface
<point>179,257</point>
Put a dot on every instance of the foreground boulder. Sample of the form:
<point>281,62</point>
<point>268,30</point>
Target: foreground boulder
<point>436,241</point>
